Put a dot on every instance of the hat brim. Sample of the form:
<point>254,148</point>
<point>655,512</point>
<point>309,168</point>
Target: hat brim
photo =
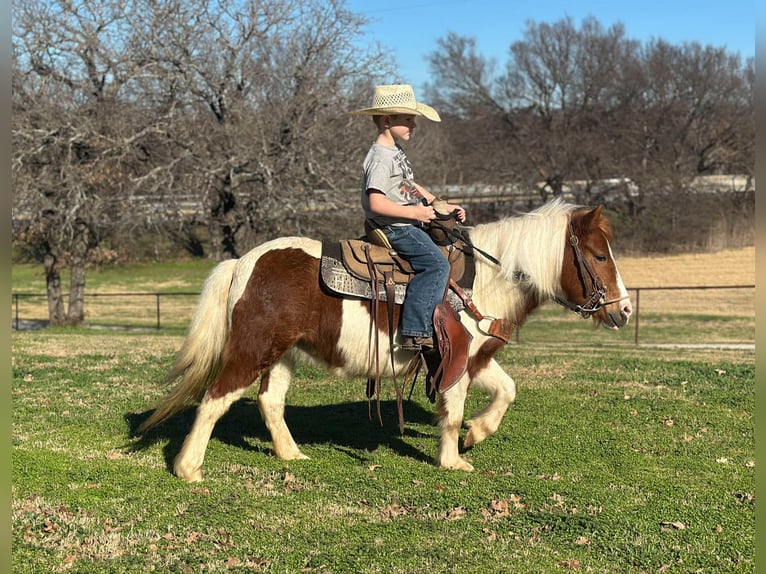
<point>423,110</point>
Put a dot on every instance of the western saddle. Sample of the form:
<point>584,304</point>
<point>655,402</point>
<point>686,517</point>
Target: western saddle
<point>370,268</point>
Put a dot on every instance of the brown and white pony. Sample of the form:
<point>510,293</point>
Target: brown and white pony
<point>259,314</point>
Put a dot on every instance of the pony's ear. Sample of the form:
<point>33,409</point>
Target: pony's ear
<point>592,218</point>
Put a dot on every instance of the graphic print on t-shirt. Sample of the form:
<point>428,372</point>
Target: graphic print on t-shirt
<point>407,187</point>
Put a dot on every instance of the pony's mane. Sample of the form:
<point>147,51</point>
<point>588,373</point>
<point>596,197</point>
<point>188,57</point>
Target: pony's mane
<point>530,246</point>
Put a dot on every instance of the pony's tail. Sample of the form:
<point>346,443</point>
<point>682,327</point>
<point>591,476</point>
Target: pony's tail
<point>199,360</point>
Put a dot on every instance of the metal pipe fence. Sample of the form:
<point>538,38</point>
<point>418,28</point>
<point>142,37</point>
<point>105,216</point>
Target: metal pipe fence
<point>637,301</point>
<point>126,310</point>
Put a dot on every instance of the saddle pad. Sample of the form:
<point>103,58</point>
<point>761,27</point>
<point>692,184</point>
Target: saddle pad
<point>337,280</point>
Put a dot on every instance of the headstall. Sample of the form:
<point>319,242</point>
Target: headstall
<point>597,298</point>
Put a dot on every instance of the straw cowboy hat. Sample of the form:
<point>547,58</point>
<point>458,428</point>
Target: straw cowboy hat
<point>397,99</point>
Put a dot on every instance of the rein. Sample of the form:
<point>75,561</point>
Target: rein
<point>597,298</point>
<point>457,234</point>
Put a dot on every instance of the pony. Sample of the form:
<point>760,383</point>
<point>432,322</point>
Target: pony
<point>260,314</point>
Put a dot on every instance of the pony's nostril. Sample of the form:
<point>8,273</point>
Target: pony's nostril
<point>627,309</point>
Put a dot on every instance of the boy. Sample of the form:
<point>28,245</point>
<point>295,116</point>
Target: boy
<point>401,208</point>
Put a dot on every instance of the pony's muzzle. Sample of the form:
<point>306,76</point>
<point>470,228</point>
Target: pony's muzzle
<point>616,320</point>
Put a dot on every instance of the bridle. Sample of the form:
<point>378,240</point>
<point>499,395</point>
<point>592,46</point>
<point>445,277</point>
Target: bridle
<point>597,298</point>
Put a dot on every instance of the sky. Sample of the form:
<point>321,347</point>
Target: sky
<point>410,29</point>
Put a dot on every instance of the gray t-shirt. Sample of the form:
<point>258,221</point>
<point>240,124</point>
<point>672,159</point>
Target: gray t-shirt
<point>387,170</point>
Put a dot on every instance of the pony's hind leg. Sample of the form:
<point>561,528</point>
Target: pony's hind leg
<point>235,377</point>
<point>503,392</point>
<point>188,462</point>
<point>451,406</point>
<point>271,402</point>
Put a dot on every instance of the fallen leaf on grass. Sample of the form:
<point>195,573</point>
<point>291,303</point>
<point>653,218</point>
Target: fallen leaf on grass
<point>456,513</point>
<point>496,509</point>
<point>570,564</point>
<point>392,511</point>
<point>745,497</point>
<point>554,476</point>
<point>668,526</point>
<point>491,534</point>
<point>50,527</point>
<point>582,540</point>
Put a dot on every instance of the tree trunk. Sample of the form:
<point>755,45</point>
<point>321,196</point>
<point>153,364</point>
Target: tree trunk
<point>223,226</point>
<point>56,315</point>
<point>76,311</point>
<point>215,239</point>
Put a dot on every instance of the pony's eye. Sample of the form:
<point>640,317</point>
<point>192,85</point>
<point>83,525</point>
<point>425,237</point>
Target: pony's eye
<point>600,258</point>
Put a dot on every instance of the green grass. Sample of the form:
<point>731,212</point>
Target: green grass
<point>168,277</point>
<point>551,324</point>
<point>612,459</point>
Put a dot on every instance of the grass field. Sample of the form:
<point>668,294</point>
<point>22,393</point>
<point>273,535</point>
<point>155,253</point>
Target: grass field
<point>614,459</point>
<point>611,460</point>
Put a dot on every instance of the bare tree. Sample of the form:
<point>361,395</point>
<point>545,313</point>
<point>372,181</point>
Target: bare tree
<point>71,139</point>
<point>260,84</point>
<point>128,115</point>
<point>587,103</point>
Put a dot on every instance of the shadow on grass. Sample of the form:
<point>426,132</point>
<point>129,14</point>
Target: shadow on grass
<point>346,426</point>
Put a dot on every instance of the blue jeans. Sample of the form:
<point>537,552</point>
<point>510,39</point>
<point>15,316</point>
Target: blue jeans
<point>427,287</point>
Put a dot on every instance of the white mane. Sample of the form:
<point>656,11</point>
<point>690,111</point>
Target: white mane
<point>530,248</point>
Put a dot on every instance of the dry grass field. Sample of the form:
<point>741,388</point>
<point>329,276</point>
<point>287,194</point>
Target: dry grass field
<point>727,267</point>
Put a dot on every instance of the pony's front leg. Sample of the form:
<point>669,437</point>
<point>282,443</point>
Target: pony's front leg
<point>188,463</point>
<point>503,392</point>
<point>271,402</point>
<point>451,406</point>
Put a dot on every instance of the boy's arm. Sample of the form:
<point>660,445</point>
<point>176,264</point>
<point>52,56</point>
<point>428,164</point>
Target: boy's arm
<point>381,205</point>
<point>429,197</point>
<point>448,207</point>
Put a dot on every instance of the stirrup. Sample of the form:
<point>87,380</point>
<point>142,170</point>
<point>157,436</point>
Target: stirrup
<point>417,344</point>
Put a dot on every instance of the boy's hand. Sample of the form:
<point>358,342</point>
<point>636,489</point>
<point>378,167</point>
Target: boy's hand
<point>424,213</point>
<point>460,211</point>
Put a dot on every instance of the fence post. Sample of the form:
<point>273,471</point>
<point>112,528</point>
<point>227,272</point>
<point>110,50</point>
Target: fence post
<point>158,310</point>
<point>638,307</point>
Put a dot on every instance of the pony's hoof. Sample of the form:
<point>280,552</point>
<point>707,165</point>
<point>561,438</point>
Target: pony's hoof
<point>459,464</point>
<point>188,475</point>
<point>293,455</point>
<point>473,437</point>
